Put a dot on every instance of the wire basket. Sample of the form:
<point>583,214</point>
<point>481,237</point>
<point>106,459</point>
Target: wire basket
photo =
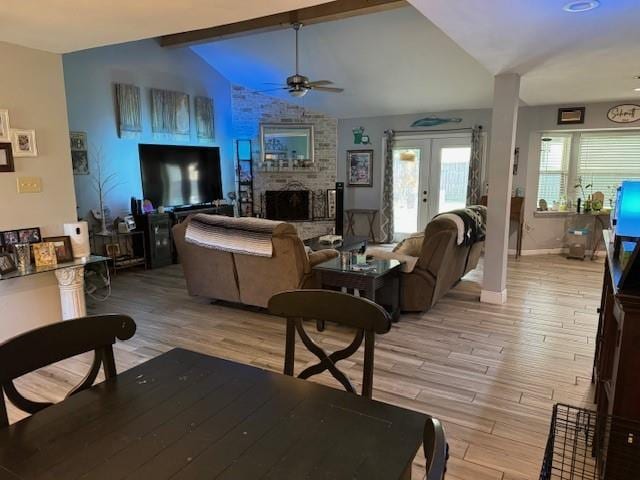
<point>585,446</point>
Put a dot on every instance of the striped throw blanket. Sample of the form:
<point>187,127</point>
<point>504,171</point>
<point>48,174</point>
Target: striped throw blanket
<point>250,236</point>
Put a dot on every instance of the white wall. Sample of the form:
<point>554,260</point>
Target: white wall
<point>540,233</point>
<point>90,76</point>
<point>32,89</point>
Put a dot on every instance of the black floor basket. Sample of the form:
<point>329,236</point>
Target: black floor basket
<point>585,446</point>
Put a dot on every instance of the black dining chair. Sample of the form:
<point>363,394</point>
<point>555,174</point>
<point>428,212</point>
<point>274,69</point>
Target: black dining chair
<point>436,449</point>
<point>365,316</point>
<point>46,345</point>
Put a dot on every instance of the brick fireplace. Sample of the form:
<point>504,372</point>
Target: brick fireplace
<point>249,110</point>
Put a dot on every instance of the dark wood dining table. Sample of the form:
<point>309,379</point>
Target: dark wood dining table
<point>185,415</point>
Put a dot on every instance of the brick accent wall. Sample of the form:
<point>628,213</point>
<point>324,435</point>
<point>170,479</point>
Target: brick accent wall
<point>249,110</point>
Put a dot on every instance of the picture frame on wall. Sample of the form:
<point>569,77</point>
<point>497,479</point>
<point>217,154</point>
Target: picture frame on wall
<point>5,129</point>
<point>6,158</point>
<point>23,143</point>
<point>79,153</point>
<point>360,168</point>
<point>571,115</point>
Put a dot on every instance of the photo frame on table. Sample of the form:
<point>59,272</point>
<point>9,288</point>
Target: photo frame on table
<point>24,143</point>
<point>10,238</point>
<point>360,168</point>
<point>7,264</point>
<point>44,254</point>
<point>6,158</point>
<point>63,248</point>
<point>29,235</point>
<point>5,129</point>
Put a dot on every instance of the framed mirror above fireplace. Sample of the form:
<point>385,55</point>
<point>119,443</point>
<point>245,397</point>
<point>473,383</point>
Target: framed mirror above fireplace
<point>286,147</point>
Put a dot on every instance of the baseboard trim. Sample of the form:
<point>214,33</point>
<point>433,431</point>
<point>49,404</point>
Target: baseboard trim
<point>496,298</point>
<point>549,251</point>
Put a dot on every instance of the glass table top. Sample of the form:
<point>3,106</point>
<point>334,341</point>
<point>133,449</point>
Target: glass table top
<point>33,270</point>
<point>373,268</point>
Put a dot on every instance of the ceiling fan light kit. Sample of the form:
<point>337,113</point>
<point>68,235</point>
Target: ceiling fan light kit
<point>299,85</point>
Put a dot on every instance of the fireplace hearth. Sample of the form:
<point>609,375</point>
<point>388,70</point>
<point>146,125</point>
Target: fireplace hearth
<point>288,205</point>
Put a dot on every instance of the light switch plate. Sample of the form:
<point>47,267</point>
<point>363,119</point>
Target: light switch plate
<point>29,184</point>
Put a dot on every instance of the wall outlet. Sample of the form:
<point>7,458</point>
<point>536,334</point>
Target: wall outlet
<point>29,185</point>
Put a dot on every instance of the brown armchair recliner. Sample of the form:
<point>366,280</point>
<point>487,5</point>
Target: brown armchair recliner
<point>435,267</point>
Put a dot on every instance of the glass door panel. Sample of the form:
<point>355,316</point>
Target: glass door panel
<point>449,174</point>
<point>406,184</point>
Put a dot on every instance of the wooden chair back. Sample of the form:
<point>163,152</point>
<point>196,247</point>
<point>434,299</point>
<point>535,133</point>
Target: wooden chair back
<point>50,344</point>
<point>364,315</point>
<point>436,449</point>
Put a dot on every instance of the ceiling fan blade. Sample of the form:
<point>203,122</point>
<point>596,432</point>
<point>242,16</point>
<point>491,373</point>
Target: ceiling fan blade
<point>328,89</point>
<point>270,90</point>
<point>320,82</point>
<point>280,84</point>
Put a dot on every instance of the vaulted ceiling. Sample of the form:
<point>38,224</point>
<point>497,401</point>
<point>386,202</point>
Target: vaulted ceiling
<point>440,55</point>
<point>388,63</point>
<point>63,26</point>
<point>563,57</point>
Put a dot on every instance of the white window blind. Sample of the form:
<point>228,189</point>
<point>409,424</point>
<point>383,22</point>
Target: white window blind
<point>607,158</point>
<point>554,167</point>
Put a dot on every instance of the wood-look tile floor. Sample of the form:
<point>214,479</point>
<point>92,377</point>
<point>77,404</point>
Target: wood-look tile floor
<point>490,373</point>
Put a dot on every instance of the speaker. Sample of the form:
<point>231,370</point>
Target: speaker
<point>79,233</point>
<point>339,208</point>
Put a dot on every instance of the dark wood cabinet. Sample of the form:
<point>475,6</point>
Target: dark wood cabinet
<point>616,364</point>
<point>158,242</point>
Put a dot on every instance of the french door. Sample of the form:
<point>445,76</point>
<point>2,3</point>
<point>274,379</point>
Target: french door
<point>430,176</point>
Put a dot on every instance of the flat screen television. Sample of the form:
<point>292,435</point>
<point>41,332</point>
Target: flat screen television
<point>176,175</point>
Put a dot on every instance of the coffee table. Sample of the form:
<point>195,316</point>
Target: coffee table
<point>380,284</point>
<point>349,243</point>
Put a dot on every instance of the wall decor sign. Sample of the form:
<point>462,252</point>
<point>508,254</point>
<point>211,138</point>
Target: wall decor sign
<point>433,121</point>
<point>625,113</point>
<point>360,168</point>
<point>571,115</point>
<point>24,143</point>
<point>79,153</point>
<point>128,110</point>
<point>204,118</point>
<point>359,137</point>
<point>4,126</point>
<point>169,112</point>
<point>6,158</point>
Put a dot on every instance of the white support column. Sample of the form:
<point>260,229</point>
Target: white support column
<point>71,285</point>
<point>506,98</point>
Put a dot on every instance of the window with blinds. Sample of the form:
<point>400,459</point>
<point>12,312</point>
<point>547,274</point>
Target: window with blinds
<point>555,152</point>
<point>607,158</point>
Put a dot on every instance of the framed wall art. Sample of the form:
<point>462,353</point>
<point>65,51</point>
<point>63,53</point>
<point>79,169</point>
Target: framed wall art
<point>24,143</point>
<point>204,118</point>
<point>571,115</point>
<point>4,126</point>
<point>6,158</point>
<point>128,110</point>
<point>79,153</point>
<point>360,168</point>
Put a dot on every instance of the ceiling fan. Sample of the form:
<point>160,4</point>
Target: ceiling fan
<point>299,85</point>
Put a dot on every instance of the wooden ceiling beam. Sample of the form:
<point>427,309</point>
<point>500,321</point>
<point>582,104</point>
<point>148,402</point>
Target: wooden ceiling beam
<point>324,12</point>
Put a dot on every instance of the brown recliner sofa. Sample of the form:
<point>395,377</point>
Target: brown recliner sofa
<point>434,263</point>
<point>248,279</point>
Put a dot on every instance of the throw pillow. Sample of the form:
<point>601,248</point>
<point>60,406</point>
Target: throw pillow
<point>411,246</point>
